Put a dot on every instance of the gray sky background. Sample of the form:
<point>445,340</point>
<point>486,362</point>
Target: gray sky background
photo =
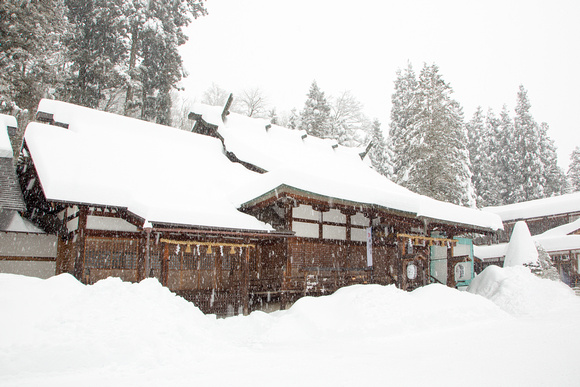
<point>484,49</point>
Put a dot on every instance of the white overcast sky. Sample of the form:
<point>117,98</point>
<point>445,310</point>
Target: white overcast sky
<point>484,49</point>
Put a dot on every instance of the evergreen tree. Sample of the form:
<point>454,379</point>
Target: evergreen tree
<point>31,53</point>
<point>294,120</point>
<point>440,159</point>
<point>479,147</point>
<point>379,153</point>
<point>128,47</point>
<point>98,50</point>
<point>573,175</point>
<point>273,116</point>
<point>402,132</point>
<point>315,117</point>
<point>554,175</point>
<point>534,173</point>
<point>491,189</point>
<point>504,157</point>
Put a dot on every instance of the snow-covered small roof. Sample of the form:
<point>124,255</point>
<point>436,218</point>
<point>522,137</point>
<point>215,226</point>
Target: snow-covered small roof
<point>11,221</point>
<point>161,174</point>
<point>562,230</point>
<point>538,208</point>
<point>322,167</point>
<point>5,145</point>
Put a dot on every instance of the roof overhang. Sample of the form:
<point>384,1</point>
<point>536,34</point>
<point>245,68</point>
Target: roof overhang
<point>285,190</point>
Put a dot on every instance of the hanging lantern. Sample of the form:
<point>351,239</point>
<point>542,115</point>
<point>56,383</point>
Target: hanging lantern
<point>232,250</point>
<point>209,249</point>
<point>188,249</point>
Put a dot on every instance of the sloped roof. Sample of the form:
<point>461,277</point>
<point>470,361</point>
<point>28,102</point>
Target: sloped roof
<point>565,229</point>
<point>556,205</point>
<point>322,167</point>
<point>10,195</point>
<point>11,221</point>
<point>161,174</point>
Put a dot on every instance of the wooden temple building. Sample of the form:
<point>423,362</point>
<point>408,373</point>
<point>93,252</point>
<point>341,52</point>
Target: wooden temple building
<point>237,215</point>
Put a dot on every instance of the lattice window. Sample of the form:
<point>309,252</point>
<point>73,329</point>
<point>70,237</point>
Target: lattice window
<point>104,253</point>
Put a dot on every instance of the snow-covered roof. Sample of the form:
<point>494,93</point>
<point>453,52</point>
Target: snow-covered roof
<point>161,174</point>
<point>322,167</point>
<point>538,208</point>
<point>5,146</point>
<point>562,230</point>
<point>554,240</point>
<point>11,221</point>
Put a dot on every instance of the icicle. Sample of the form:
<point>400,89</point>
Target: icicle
<point>198,252</point>
<point>222,250</point>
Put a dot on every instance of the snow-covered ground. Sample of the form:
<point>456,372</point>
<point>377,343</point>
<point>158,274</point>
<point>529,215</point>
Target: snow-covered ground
<point>517,330</point>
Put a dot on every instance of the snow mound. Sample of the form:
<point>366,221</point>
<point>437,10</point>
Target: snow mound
<point>519,292</point>
<point>109,323</point>
<point>522,248</point>
<point>58,332</point>
<point>363,311</point>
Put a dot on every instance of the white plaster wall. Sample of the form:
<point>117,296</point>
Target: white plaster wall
<point>40,269</point>
<point>307,230</point>
<point>360,220</point>
<point>334,232</point>
<point>305,212</point>
<point>334,216</point>
<point>358,234</point>
<point>109,224</point>
<point>28,245</point>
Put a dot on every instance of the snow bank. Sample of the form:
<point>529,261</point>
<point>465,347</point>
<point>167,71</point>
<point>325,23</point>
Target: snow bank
<point>58,332</point>
<point>519,292</point>
<point>361,311</point>
<point>58,325</point>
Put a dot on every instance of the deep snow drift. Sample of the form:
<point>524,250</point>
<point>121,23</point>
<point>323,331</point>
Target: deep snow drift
<point>517,330</point>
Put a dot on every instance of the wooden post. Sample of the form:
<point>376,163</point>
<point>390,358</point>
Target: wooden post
<point>246,286</point>
<point>165,265</point>
<point>79,266</point>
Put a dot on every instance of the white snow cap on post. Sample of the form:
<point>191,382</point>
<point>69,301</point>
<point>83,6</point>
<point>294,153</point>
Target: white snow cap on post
<point>522,248</point>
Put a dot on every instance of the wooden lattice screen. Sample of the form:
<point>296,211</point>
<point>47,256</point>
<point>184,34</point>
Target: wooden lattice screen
<point>109,253</point>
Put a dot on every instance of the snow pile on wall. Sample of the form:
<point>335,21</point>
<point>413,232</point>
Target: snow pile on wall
<point>519,292</point>
<point>5,145</point>
<point>521,249</point>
